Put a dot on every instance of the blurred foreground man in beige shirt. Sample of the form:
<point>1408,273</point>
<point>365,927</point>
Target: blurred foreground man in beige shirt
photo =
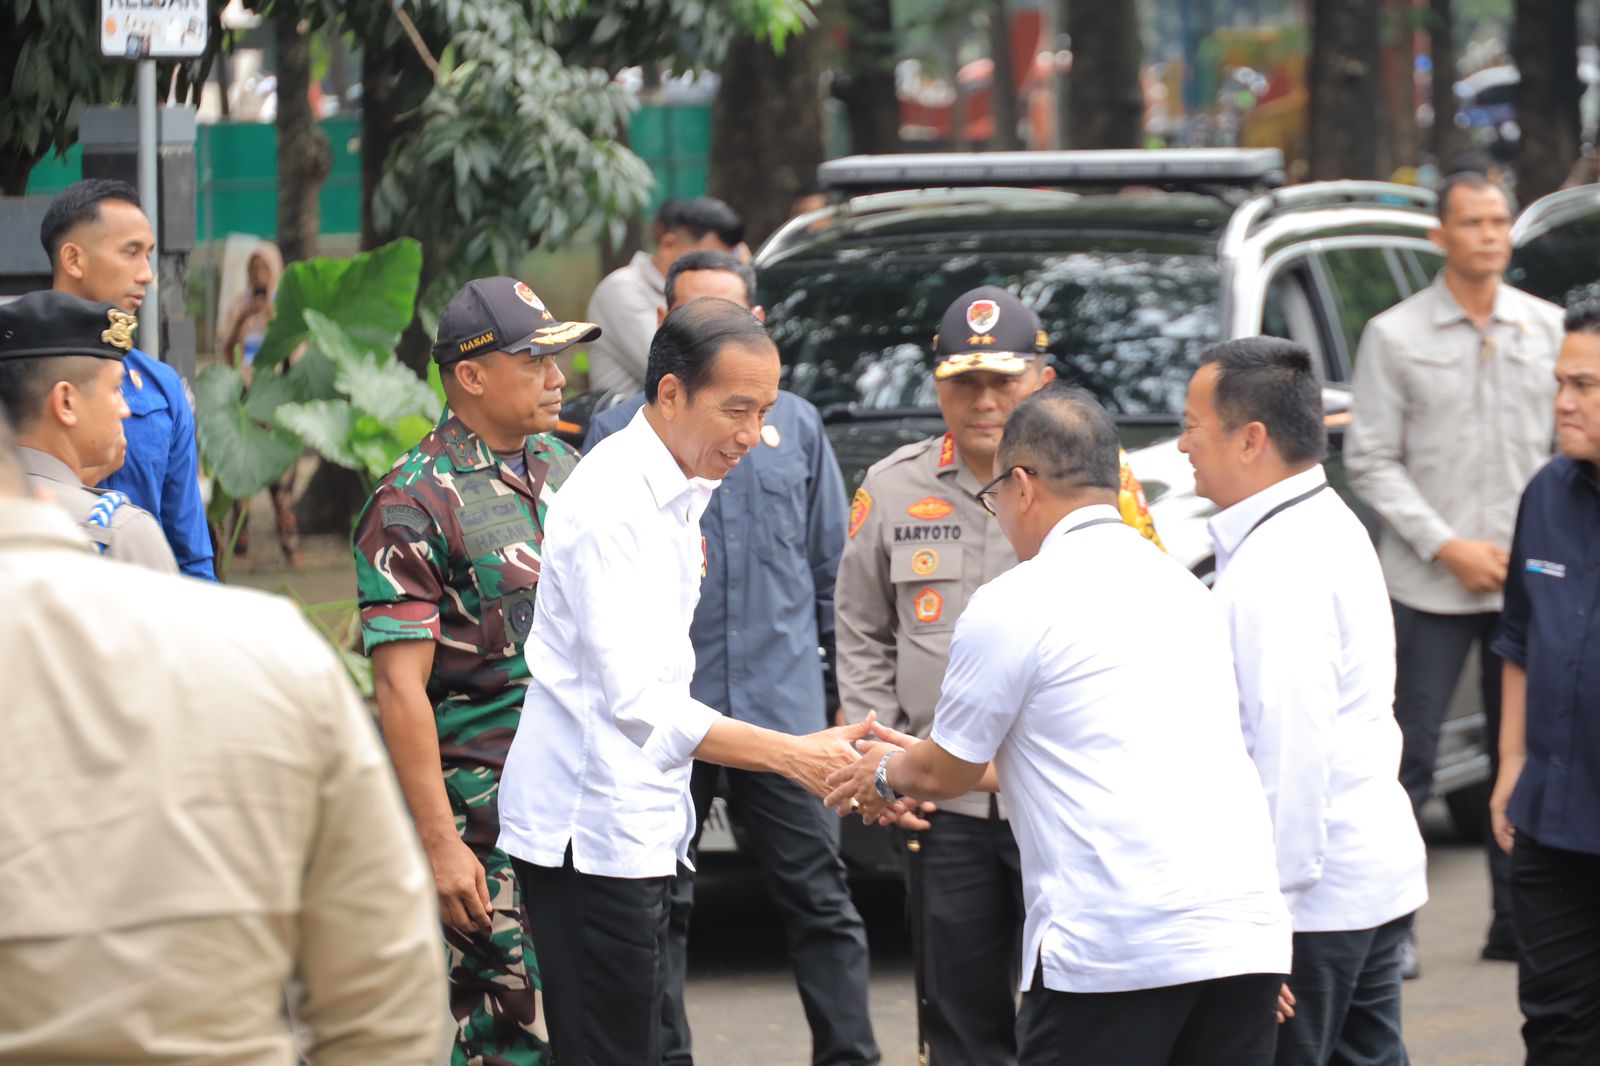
<point>194,809</point>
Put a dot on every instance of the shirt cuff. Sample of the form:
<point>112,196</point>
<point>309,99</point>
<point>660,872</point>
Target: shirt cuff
<point>1430,538</point>
<point>1510,649</point>
<point>960,749</point>
<point>389,622</point>
<point>672,742</point>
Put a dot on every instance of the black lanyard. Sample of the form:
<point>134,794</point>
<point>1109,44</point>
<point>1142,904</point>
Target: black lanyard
<point>1282,507</point>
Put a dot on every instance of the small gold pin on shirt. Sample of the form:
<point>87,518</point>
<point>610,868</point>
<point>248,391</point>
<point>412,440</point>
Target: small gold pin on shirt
<point>770,435</point>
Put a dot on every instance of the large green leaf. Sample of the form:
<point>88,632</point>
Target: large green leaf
<point>388,391</point>
<point>325,425</point>
<point>243,455</point>
<point>372,293</point>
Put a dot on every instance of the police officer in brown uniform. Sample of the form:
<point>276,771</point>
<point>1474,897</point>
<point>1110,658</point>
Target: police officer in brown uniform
<point>919,545</point>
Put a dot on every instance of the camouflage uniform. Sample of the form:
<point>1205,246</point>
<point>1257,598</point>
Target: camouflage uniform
<point>447,550</point>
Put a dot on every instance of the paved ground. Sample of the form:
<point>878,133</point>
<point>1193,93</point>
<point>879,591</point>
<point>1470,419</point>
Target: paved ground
<point>744,1011</point>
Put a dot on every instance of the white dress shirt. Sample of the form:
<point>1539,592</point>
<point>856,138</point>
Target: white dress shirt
<point>1097,677</point>
<point>602,754</point>
<point>1313,642</point>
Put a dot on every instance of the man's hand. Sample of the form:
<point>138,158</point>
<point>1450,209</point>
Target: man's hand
<point>853,789</point>
<point>1479,565</point>
<point>463,890</point>
<point>817,755</point>
<point>1285,1004</point>
<point>908,814</point>
<point>1505,834</point>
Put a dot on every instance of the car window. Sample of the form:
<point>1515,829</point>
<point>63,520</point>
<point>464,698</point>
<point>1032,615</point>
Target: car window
<point>1288,312</point>
<point>1365,284</point>
<point>1127,323</point>
<point>1420,267</point>
<point>1560,266</point>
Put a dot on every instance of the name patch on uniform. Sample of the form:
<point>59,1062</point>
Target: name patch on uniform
<point>929,605</point>
<point>858,510</point>
<point>1549,569</point>
<point>930,509</point>
<point>924,561</point>
<point>483,340</point>
<point>905,534</point>
<point>947,450</point>
<point>406,517</point>
<point>492,524</point>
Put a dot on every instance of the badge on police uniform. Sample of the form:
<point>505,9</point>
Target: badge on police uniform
<point>858,510</point>
<point>929,605</point>
<point>924,562</point>
<point>930,508</point>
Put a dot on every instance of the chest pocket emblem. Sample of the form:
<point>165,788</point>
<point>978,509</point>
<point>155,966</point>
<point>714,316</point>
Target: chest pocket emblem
<point>924,562</point>
<point>929,605</point>
<point>930,508</point>
<point>518,609</point>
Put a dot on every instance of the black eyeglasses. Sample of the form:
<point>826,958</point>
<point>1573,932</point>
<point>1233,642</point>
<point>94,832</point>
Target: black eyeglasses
<point>986,494</point>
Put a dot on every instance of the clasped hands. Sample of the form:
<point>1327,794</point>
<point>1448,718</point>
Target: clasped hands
<point>852,788</point>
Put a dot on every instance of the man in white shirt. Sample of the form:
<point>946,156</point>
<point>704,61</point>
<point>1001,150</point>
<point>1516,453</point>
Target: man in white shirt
<point>594,801</point>
<point>628,302</point>
<point>1096,676</point>
<point>1313,644</point>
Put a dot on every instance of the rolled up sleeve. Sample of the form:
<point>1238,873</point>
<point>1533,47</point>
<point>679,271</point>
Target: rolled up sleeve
<point>1511,640</point>
<point>400,570</point>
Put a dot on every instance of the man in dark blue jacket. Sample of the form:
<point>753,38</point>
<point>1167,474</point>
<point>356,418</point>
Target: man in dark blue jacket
<point>773,532</point>
<point>1546,802</point>
<point>100,243</point>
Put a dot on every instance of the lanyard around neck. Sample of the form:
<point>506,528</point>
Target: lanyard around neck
<point>1092,522</point>
<point>1278,510</point>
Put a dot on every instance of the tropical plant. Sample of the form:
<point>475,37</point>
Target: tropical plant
<point>344,395</point>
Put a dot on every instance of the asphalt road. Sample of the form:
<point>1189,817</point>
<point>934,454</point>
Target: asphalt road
<point>744,1011</point>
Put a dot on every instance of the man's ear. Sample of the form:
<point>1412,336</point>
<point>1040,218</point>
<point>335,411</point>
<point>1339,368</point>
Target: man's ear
<point>1436,235</point>
<point>71,260</point>
<point>1255,441</point>
<point>63,403</point>
<point>469,376</point>
<point>661,316</point>
<point>760,314</point>
<point>669,394</point>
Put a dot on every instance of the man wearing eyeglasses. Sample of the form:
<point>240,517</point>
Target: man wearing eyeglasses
<point>920,543</point>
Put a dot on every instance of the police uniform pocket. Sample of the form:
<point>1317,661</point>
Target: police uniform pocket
<point>928,589</point>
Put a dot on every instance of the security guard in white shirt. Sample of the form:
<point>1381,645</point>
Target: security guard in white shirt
<point>1093,683</point>
<point>1313,643</point>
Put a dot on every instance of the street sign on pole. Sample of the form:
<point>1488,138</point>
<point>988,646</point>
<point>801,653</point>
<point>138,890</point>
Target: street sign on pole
<point>153,29</point>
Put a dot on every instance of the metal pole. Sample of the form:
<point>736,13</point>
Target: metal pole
<point>150,312</point>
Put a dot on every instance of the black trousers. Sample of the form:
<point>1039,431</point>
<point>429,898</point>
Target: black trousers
<point>1230,1021</point>
<point>796,842</point>
<point>1347,999</point>
<point>1556,900</point>
<point>600,941</point>
<point>1432,650</point>
<point>971,927</point>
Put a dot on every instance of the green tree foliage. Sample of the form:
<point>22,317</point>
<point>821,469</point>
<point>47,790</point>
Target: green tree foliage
<point>50,69</point>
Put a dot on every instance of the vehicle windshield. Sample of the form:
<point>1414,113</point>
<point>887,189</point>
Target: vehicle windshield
<point>1128,324</point>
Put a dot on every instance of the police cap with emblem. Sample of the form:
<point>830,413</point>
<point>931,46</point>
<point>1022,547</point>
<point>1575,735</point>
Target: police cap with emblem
<point>503,315</point>
<point>987,329</point>
<point>57,323</point>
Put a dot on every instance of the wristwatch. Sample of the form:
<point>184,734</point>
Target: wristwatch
<point>880,780</point>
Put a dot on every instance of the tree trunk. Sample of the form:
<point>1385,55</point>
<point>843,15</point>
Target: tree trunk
<point>1106,101</point>
<point>1448,140</point>
<point>872,109</point>
<point>379,130</point>
<point>1545,47</point>
<point>1003,86</point>
<point>1344,85</point>
<point>766,130</point>
<point>303,155</point>
<point>1399,118</point>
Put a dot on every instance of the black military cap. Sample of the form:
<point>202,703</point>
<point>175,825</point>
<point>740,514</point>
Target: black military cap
<point>58,323</point>
<point>503,315</point>
<point>987,329</point>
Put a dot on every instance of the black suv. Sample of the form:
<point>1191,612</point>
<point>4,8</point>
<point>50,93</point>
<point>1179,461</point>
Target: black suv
<point>1136,261</point>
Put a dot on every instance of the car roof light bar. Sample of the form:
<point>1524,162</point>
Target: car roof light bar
<point>1168,167</point>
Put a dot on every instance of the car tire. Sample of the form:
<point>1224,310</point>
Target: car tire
<point>1469,812</point>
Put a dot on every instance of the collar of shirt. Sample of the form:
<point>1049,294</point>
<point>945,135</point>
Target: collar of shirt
<point>1448,310</point>
<point>665,478</point>
<point>644,264</point>
<point>1073,519</point>
<point>45,465</point>
<point>1230,527</point>
<point>1579,470</point>
<point>35,524</point>
<point>469,452</point>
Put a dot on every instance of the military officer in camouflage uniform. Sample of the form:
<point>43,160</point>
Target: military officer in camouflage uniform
<point>447,561</point>
<point>61,378</point>
<point>919,544</point>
